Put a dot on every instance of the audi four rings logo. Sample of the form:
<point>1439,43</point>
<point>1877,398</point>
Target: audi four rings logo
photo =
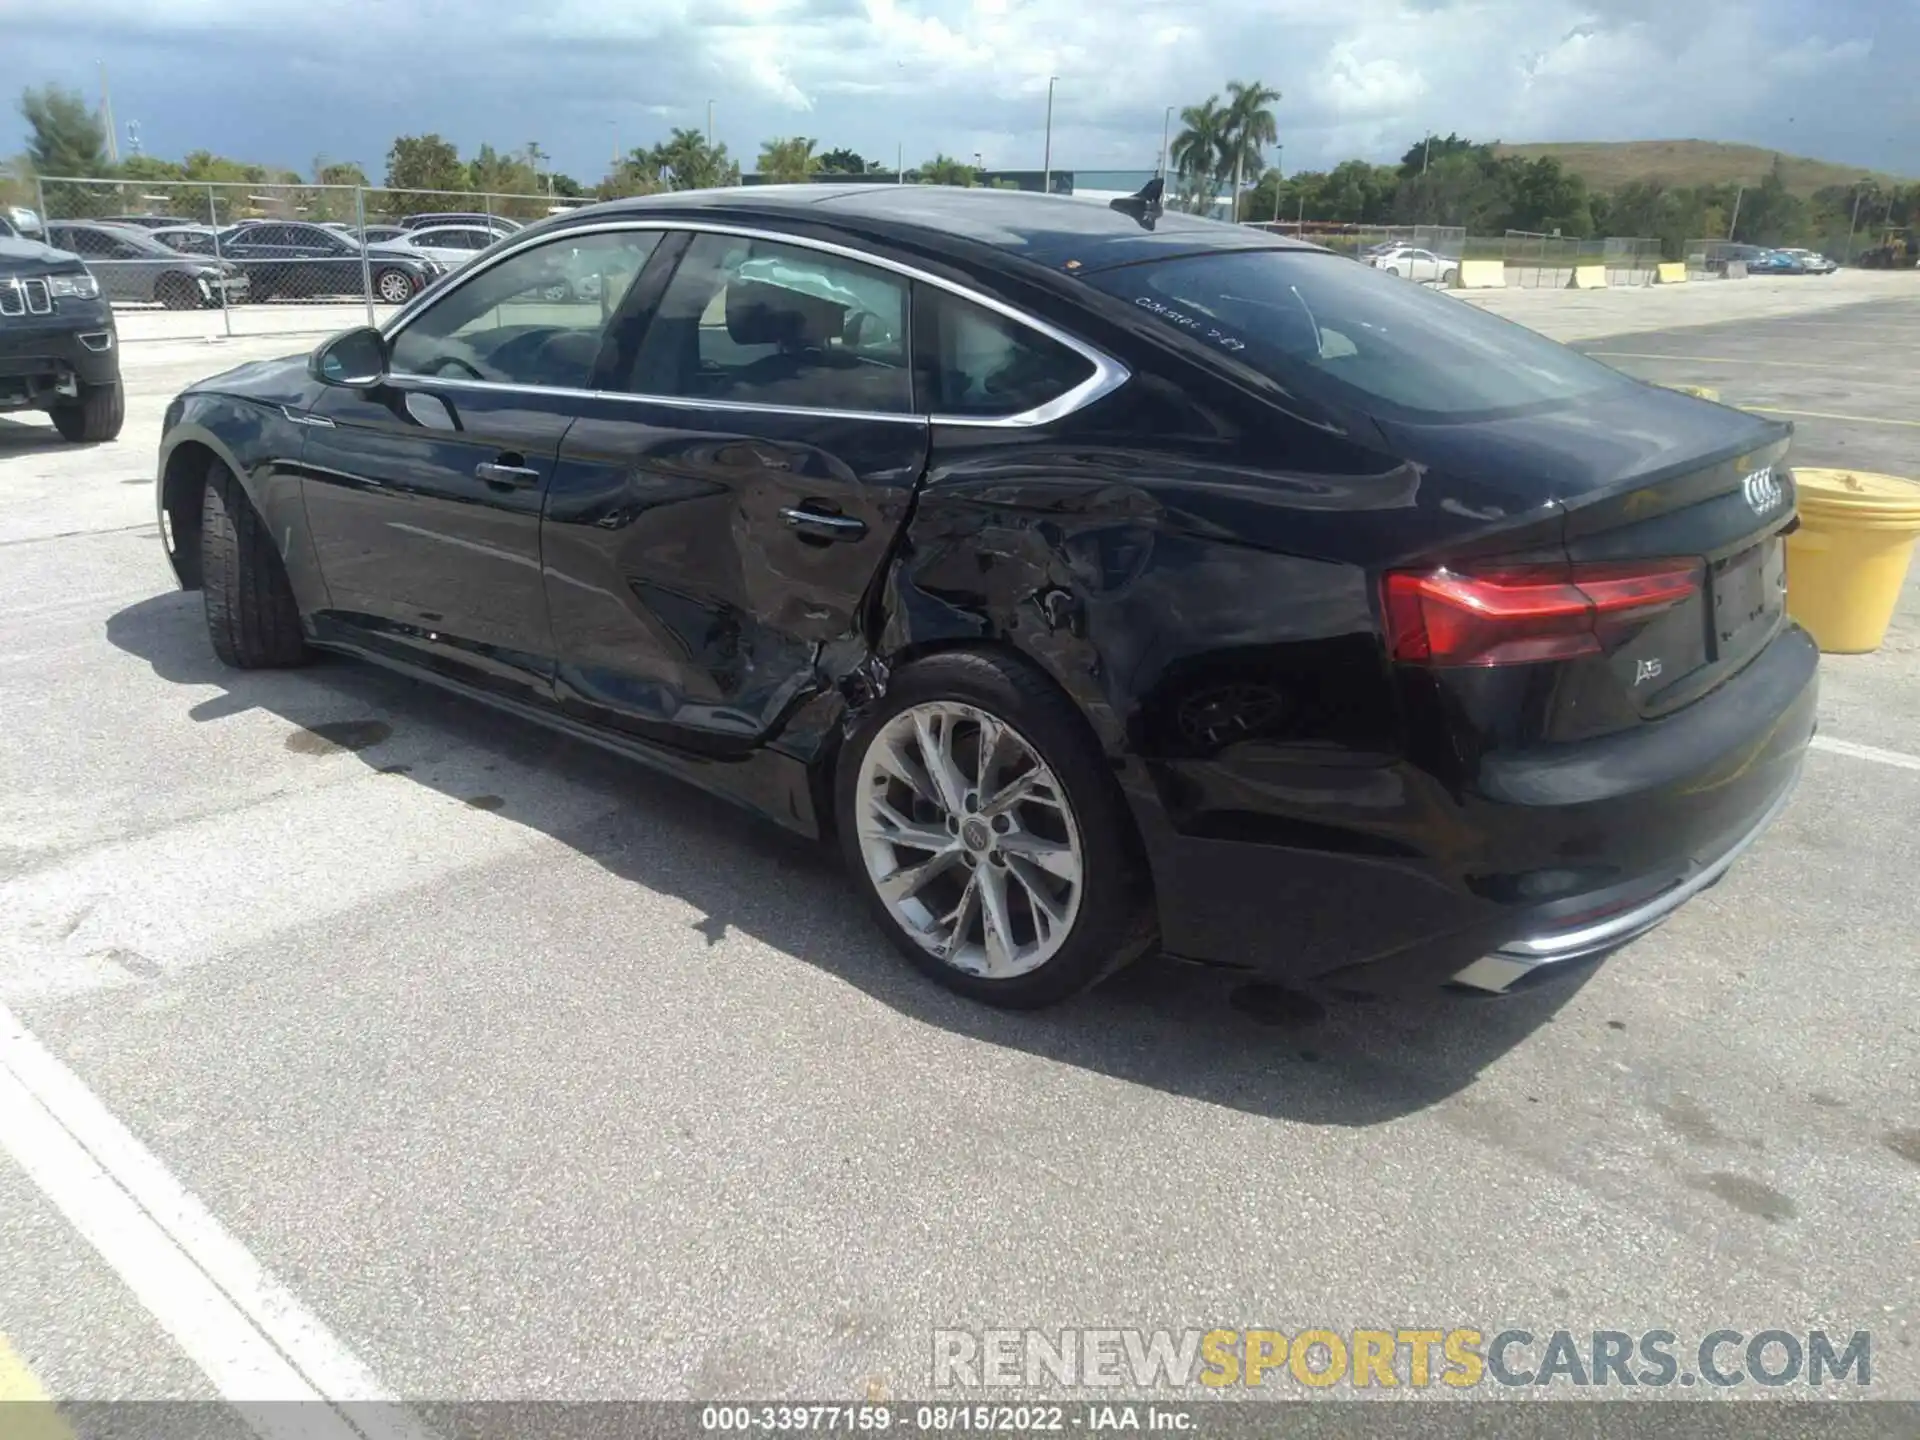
<point>1763,492</point>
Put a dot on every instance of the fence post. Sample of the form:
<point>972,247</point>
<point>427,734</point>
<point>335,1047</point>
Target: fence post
<point>213,219</point>
<point>40,198</point>
<point>366,260</point>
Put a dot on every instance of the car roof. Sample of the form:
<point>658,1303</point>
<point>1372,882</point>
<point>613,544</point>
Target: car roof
<point>1057,231</point>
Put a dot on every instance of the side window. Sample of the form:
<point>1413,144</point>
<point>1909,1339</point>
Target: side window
<point>535,319</point>
<point>756,322</point>
<point>981,365</point>
<point>89,242</point>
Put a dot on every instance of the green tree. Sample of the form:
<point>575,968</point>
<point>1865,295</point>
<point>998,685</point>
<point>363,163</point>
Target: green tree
<point>843,162</point>
<point>1770,214</point>
<point>637,174</point>
<point>1198,152</point>
<point>1428,148</point>
<point>684,161</point>
<point>337,172</point>
<point>1356,193</point>
<point>943,169</point>
<point>789,162</point>
<point>64,137</point>
<point>1539,195</point>
<point>1250,129</point>
<point>424,162</point>
<point>564,185</point>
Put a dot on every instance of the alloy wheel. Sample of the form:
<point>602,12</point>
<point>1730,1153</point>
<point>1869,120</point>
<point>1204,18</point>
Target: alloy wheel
<point>395,288</point>
<point>969,839</point>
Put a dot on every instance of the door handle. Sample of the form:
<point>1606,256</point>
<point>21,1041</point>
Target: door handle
<point>817,525</point>
<point>507,477</point>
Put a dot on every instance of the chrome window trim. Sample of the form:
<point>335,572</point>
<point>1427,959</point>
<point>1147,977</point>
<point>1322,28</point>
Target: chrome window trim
<point>676,402</point>
<point>1108,374</point>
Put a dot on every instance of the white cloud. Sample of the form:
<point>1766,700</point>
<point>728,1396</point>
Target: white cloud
<point>279,80</point>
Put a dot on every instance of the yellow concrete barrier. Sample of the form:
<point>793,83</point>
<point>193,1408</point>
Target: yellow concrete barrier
<point>1588,277</point>
<point>1481,275</point>
<point>1670,273</point>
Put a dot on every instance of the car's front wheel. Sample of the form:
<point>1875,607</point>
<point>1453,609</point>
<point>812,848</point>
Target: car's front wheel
<point>252,618</point>
<point>393,286</point>
<point>92,417</point>
<point>979,819</point>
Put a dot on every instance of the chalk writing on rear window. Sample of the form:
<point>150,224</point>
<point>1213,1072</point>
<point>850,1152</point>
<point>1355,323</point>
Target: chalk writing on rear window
<point>1188,323</point>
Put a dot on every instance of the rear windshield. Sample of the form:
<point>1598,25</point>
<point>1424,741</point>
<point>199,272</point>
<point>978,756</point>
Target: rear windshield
<point>1344,331</point>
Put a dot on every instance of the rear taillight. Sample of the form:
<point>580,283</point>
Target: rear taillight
<point>1518,615</point>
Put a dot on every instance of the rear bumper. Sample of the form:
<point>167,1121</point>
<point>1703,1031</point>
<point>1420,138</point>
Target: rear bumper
<point>1581,940</point>
<point>1540,859</point>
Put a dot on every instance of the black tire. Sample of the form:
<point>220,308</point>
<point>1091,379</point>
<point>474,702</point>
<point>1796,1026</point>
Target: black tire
<point>177,292</point>
<point>1114,924</point>
<point>1448,277</point>
<point>95,417</point>
<point>251,615</point>
<point>1393,269</point>
<point>394,287</point>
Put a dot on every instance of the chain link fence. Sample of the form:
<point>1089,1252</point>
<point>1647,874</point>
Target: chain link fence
<point>1547,262</point>
<point>272,258</point>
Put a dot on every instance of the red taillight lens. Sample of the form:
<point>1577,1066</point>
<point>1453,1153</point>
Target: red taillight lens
<point>1522,614</point>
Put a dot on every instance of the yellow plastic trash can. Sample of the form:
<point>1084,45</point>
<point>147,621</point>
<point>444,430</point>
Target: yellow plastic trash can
<point>1848,560</point>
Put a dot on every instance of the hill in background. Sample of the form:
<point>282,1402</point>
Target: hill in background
<point>1607,165</point>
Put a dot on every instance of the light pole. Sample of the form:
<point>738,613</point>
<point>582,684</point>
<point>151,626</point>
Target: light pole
<point>1279,174</point>
<point>1166,129</point>
<point>709,125</point>
<point>1734,224</point>
<point>1859,194</point>
<point>1046,163</point>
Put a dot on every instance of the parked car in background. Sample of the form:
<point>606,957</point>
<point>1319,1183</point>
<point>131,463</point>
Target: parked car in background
<point>1089,575</point>
<point>59,351</point>
<point>1725,253</point>
<point>1814,261</point>
<point>18,222</point>
<point>1414,263</point>
<point>1776,262</point>
<point>131,265</point>
<point>498,223</point>
<point>449,245</point>
<point>188,239</point>
<point>381,234</point>
<point>289,260</point>
<point>145,222</point>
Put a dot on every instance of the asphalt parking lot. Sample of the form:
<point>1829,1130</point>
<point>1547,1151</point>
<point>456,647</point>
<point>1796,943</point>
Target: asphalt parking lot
<point>519,1072</point>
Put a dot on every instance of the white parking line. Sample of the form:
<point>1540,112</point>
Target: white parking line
<point>1896,758</point>
<point>254,1340</point>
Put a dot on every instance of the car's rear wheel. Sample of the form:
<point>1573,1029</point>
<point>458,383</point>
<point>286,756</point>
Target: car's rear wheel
<point>1448,278</point>
<point>1393,269</point>
<point>251,615</point>
<point>177,292</point>
<point>393,286</point>
<point>92,417</point>
<point>979,821</point>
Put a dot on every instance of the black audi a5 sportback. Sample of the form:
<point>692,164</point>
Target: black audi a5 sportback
<point>1096,576</point>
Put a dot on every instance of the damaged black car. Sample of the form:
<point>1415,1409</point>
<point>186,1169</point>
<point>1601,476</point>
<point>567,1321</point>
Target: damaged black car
<point>1096,578</point>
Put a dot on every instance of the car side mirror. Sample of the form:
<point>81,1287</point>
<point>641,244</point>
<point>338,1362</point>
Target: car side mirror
<point>354,359</point>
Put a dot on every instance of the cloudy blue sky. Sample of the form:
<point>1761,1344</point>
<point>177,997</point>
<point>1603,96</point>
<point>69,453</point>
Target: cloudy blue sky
<point>281,81</point>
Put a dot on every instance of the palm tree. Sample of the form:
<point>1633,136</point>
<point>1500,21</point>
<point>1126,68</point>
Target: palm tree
<point>692,163</point>
<point>1249,129</point>
<point>1198,150</point>
<point>788,162</point>
<point>943,169</point>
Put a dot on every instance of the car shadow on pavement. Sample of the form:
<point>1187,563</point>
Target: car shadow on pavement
<point>1184,1029</point>
<point>19,439</point>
